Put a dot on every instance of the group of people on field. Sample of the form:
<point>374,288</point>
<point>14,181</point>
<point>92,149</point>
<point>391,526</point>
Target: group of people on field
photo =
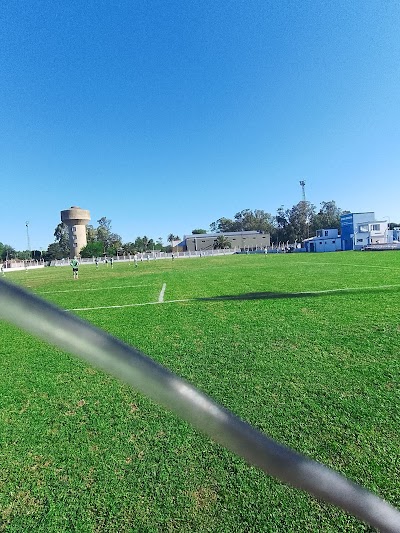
<point>74,263</point>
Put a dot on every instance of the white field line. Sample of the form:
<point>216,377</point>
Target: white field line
<point>233,297</point>
<point>161,296</point>
<point>96,289</point>
<point>358,265</point>
<point>344,289</point>
<point>132,305</point>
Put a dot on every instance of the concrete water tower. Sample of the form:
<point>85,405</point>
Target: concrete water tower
<point>76,219</point>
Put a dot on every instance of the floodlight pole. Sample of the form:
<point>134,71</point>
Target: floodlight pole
<point>303,189</point>
<point>303,195</point>
<point>27,238</point>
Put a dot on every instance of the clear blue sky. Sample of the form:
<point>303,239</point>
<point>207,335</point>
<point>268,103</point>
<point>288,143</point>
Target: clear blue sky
<point>164,116</point>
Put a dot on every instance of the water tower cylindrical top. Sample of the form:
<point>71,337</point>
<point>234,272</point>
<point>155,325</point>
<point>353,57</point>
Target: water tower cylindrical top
<point>75,216</point>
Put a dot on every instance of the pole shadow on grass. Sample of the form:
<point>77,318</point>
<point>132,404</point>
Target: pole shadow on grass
<point>309,294</point>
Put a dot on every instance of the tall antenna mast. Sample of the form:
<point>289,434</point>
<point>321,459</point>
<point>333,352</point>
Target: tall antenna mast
<point>27,235</point>
<point>303,189</point>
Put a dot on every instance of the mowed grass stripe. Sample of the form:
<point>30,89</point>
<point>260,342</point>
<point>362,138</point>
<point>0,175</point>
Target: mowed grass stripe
<point>102,295</point>
<point>94,289</point>
<point>114,306</point>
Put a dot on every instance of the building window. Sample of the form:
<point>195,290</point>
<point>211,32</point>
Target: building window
<point>75,244</point>
<point>376,227</point>
<point>320,242</point>
<point>73,228</point>
<point>326,233</point>
<point>360,240</point>
<point>333,242</point>
<point>363,228</point>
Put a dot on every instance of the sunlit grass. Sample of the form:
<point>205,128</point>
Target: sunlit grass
<point>318,371</point>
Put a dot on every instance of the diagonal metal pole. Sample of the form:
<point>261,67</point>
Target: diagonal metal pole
<point>72,334</point>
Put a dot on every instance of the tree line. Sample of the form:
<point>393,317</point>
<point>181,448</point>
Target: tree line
<point>101,240</point>
<point>291,225</point>
<point>294,224</point>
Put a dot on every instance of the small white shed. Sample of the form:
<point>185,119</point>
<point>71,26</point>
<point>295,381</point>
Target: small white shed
<point>326,240</point>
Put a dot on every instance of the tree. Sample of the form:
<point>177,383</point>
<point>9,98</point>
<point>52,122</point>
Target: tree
<point>327,217</point>
<point>300,218</point>
<point>224,225</point>
<point>103,232</point>
<point>143,244</point>
<point>294,224</point>
<point>61,236</point>
<point>92,249</point>
<point>245,220</point>
<point>24,255</point>
<point>7,251</point>
<point>283,231</point>
<point>91,233</point>
<point>222,242</point>
<point>257,220</point>
<point>159,244</point>
<point>198,231</point>
<point>54,251</point>
<point>145,241</point>
<point>115,246</point>
<point>138,244</point>
<point>129,248</point>
<point>111,241</point>
<point>171,238</point>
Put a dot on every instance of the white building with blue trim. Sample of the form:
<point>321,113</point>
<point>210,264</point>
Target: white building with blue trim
<point>326,240</point>
<point>359,230</point>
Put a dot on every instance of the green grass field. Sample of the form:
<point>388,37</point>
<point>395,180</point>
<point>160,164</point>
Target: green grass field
<point>304,347</point>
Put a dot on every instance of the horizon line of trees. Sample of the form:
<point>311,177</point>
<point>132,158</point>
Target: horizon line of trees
<point>291,225</point>
<point>294,225</point>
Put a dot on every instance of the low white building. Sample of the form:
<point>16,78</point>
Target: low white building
<point>239,240</point>
<point>326,240</point>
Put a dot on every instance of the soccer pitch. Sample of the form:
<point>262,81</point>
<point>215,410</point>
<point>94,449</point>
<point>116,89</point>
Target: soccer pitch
<point>304,347</point>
